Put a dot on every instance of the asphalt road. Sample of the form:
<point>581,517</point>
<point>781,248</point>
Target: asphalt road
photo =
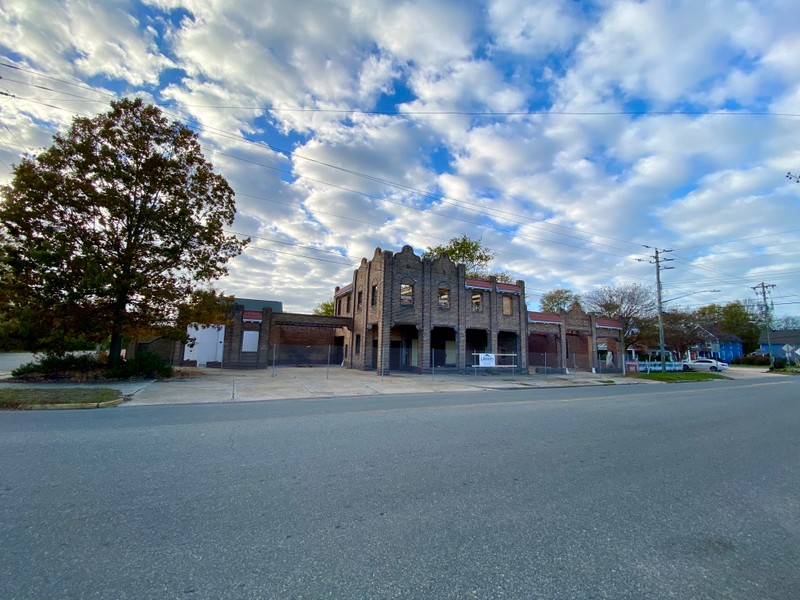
<point>682,491</point>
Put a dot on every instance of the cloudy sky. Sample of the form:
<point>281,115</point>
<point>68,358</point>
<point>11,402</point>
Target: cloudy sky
<point>573,137</point>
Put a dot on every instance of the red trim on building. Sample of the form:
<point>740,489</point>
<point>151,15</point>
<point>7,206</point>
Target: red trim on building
<point>509,287</point>
<point>543,317</point>
<point>608,323</point>
<point>345,290</point>
<point>252,315</point>
<point>480,284</point>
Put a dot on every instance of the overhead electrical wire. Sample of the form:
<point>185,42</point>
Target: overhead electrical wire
<point>480,209</point>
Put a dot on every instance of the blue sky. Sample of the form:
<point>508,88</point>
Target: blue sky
<point>567,135</point>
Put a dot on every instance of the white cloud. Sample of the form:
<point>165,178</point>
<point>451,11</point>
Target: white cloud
<point>571,196</point>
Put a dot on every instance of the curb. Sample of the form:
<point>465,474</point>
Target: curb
<point>85,405</point>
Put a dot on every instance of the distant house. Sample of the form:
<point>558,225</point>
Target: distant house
<point>779,339</point>
<point>715,343</point>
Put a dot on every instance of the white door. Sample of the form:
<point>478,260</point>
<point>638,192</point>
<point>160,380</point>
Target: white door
<point>208,345</point>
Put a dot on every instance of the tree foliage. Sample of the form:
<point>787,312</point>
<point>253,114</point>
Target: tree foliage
<point>115,229</point>
<point>558,300</point>
<point>739,318</point>
<point>629,303</point>
<point>787,322</point>
<point>471,253</point>
<point>325,308</point>
<point>680,330</point>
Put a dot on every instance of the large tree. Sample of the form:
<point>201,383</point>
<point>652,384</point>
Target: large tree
<point>558,300</point>
<point>631,304</point>
<point>739,318</point>
<point>117,228</point>
<point>471,253</point>
<point>680,330</point>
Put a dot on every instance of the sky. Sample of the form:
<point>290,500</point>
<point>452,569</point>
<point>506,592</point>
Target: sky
<point>573,138</point>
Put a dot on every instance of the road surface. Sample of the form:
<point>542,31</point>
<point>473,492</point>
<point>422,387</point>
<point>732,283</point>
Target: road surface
<point>674,491</point>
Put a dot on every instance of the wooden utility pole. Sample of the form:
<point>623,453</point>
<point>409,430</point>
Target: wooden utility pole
<point>767,323</point>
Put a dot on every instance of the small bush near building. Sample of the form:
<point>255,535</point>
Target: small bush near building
<point>86,367</point>
<point>780,363</point>
<point>56,366</point>
<point>143,364</point>
<point>759,361</point>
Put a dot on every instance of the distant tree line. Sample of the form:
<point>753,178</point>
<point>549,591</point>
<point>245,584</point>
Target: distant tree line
<point>635,307</point>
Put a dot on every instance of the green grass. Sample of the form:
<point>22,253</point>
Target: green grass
<point>680,376</point>
<point>788,370</point>
<point>24,398</point>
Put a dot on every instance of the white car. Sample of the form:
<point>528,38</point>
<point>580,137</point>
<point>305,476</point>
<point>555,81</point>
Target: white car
<point>704,364</point>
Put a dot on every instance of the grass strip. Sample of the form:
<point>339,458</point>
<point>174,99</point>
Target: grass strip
<point>26,397</point>
<point>680,376</point>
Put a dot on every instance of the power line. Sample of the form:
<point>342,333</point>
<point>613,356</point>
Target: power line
<point>479,209</point>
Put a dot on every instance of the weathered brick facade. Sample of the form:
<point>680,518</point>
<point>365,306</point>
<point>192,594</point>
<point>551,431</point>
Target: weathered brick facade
<point>410,313</point>
<point>573,340</point>
<point>405,313</point>
<point>279,338</point>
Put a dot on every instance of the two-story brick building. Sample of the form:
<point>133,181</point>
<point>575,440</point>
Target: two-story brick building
<point>417,314</point>
<point>402,312</point>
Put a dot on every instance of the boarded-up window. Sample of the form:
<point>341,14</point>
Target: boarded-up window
<point>358,344</point>
<point>477,301</point>
<point>507,310</point>
<point>360,298</point>
<point>339,306</point>
<point>444,297</point>
<point>249,341</point>
<point>406,294</point>
<point>374,295</point>
<point>348,305</point>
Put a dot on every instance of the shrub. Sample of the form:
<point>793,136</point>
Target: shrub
<point>761,361</point>
<point>51,364</point>
<point>780,363</point>
<point>88,367</point>
<point>143,364</point>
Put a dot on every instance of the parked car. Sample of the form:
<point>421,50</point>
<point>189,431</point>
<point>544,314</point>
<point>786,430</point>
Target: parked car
<point>704,364</point>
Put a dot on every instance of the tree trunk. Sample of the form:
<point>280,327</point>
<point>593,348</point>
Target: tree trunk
<point>115,348</point>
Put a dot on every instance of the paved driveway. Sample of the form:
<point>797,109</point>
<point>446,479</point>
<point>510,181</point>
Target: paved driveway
<point>736,372</point>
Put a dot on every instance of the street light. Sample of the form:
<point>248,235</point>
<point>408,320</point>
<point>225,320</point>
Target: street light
<point>661,320</point>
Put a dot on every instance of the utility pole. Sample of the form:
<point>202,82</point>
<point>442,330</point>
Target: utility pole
<point>657,260</point>
<point>763,287</point>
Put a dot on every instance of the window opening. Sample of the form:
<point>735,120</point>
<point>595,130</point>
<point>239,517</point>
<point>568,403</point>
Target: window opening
<point>406,294</point>
<point>444,297</point>
<point>477,302</point>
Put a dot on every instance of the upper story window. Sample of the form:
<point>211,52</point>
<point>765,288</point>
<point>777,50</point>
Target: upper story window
<point>359,299</point>
<point>406,294</point>
<point>373,295</point>
<point>507,306</point>
<point>444,297</point>
<point>347,309</point>
<point>339,306</point>
<point>477,301</point>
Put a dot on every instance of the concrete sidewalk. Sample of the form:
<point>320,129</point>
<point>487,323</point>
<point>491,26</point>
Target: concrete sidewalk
<point>215,385</point>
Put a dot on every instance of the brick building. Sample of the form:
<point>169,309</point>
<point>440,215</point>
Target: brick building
<point>402,312</point>
<point>417,314</point>
<point>258,334</point>
<point>573,340</point>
